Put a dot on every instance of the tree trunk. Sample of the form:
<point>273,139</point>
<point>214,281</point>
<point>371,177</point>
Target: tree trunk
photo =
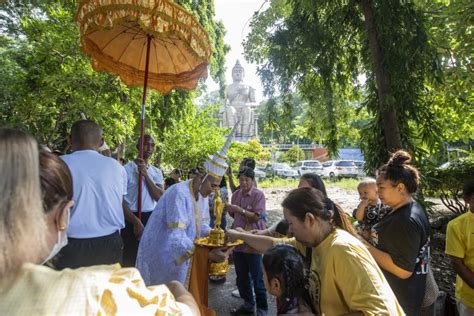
<point>382,78</point>
<point>331,140</point>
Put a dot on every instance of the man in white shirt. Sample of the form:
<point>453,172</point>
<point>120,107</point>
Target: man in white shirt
<point>152,189</point>
<point>99,184</point>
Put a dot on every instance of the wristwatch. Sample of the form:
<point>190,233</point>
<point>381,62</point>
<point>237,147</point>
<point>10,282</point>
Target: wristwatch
<point>243,211</point>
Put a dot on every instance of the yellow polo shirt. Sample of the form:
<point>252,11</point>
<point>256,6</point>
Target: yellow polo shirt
<point>460,243</point>
<point>345,278</point>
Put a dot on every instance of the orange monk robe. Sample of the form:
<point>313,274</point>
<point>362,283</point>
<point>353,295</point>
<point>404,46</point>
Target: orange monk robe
<point>198,281</point>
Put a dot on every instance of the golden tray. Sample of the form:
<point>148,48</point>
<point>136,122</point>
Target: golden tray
<point>205,242</point>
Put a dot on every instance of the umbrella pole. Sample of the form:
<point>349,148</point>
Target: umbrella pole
<point>142,125</point>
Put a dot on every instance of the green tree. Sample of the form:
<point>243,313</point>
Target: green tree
<point>450,31</point>
<point>293,154</point>
<point>323,48</point>
<point>48,83</point>
<point>252,149</point>
<point>188,143</point>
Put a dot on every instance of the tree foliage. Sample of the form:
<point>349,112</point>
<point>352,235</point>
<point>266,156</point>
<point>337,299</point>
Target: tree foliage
<point>291,119</point>
<point>447,183</point>
<point>252,149</point>
<point>450,26</point>
<point>291,156</point>
<point>47,83</point>
<point>334,58</point>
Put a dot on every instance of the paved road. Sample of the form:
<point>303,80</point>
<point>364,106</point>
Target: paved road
<point>222,301</point>
<point>220,295</point>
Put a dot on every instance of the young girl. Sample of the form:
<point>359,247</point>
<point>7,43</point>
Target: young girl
<point>285,278</point>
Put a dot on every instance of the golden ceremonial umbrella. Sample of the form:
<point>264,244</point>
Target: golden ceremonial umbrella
<point>154,43</point>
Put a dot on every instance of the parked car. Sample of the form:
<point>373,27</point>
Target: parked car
<point>308,166</point>
<point>259,174</point>
<point>339,168</point>
<point>360,168</point>
<point>282,170</point>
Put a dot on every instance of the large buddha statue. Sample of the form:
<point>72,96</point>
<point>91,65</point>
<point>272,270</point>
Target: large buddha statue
<point>239,106</point>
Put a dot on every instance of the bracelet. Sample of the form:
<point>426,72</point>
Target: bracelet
<point>243,212</point>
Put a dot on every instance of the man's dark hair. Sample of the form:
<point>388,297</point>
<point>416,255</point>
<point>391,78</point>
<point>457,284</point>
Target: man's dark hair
<point>199,171</point>
<point>86,132</point>
<point>146,138</point>
<point>178,171</point>
<point>223,183</point>
<point>468,189</point>
<point>169,182</point>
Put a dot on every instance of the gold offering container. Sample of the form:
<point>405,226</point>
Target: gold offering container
<point>216,239</point>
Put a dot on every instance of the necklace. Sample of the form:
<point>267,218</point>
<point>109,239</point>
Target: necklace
<point>197,217</point>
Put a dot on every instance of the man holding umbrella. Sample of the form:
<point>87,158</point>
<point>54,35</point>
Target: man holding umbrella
<point>152,182</point>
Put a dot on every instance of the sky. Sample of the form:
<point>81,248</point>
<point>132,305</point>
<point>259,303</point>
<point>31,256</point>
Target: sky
<point>236,15</point>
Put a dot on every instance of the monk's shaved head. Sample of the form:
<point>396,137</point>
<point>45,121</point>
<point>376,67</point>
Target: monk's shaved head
<point>86,133</point>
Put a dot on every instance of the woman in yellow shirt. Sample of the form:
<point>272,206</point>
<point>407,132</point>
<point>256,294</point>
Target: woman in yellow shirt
<point>30,236</point>
<point>344,278</point>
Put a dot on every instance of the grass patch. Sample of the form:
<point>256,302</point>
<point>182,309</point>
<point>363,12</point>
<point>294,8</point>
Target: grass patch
<point>348,184</point>
<point>277,182</point>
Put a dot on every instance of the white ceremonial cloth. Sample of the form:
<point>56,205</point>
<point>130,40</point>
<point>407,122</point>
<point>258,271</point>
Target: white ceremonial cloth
<point>99,184</point>
<point>148,203</point>
<point>167,243</point>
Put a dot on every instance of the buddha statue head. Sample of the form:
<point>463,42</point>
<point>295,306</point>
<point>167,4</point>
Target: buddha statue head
<point>238,72</point>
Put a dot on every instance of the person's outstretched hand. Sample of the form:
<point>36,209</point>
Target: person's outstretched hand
<point>261,232</point>
<point>219,254</point>
<point>232,235</point>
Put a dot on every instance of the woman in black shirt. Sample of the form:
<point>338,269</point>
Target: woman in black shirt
<point>402,236</point>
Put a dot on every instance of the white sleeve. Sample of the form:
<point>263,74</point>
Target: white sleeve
<point>158,177</point>
<point>124,179</point>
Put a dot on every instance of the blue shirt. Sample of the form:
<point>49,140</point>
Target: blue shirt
<point>99,184</point>
<point>148,203</point>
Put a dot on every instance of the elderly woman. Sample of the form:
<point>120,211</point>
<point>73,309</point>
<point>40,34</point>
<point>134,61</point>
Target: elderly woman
<point>402,245</point>
<point>33,231</point>
<point>344,278</point>
<point>248,210</point>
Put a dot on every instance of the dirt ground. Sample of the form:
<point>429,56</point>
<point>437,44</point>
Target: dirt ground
<point>222,301</point>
